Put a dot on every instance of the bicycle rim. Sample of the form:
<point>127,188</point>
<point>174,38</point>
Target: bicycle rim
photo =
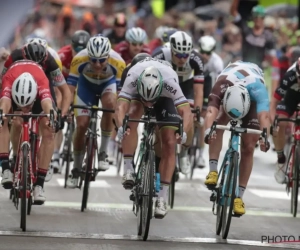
<point>229,195</point>
<point>295,185</point>
<point>88,173</point>
<point>193,151</point>
<point>138,197</point>
<point>119,157</point>
<point>218,201</point>
<point>23,191</point>
<point>67,158</point>
<point>148,189</point>
<point>172,191</point>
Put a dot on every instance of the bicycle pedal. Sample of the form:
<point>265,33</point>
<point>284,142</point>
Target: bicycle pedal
<point>211,187</point>
<point>213,197</point>
<point>132,197</point>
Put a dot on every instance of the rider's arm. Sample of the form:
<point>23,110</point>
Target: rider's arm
<point>67,98</point>
<point>184,110</point>
<point>121,110</point>
<point>47,105</point>
<point>5,104</point>
<point>44,93</point>
<point>5,95</point>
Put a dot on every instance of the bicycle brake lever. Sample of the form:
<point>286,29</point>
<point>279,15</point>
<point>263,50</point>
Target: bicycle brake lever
<point>212,129</point>
<point>51,118</point>
<point>125,122</point>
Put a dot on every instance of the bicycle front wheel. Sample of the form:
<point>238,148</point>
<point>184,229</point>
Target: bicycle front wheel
<point>230,189</point>
<point>148,189</point>
<point>23,187</point>
<point>295,181</point>
<point>67,157</point>
<point>172,190</point>
<point>90,150</point>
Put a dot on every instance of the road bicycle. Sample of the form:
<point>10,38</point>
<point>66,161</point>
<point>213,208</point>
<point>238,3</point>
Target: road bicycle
<point>26,163</point>
<point>146,185</point>
<point>90,171</point>
<point>226,190</point>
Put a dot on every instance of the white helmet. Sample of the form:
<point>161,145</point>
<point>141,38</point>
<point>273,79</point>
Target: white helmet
<point>38,40</point>
<point>150,84</point>
<point>236,102</point>
<point>181,42</point>
<point>24,90</point>
<point>136,35</point>
<point>167,45</point>
<point>159,32</point>
<point>98,46</point>
<point>207,43</point>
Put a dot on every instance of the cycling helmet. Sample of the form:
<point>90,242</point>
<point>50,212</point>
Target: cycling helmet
<point>139,57</point>
<point>298,67</point>
<point>98,46</point>
<point>24,90</point>
<point>181,42</point>
<point>160,30</point>
<point>166,35</point>
<point>35,52</point>
<point>80,40</point>
<point>38,40</point>
<point>236,102</point>
<point>258,11</point>
<point>207,44</point>
<point>167,45</point>
<point>150,84</point>
<point>294,54</point>
<point>136,35</point>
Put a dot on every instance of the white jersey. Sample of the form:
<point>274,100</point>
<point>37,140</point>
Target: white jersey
<point>171,87</point>
<point>214,66</point>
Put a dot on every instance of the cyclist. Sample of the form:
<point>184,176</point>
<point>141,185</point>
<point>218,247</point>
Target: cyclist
<point>157,41</point>
<point>188,65</point>
<point>95,71</point>
<point>26,89</point>
<point>285,101</point>
<point>135,39</point>
<point>213,66</point>
<point>153,83</point>
<point>165,39</point>
<point>240,87</point>
<point>38,53</point>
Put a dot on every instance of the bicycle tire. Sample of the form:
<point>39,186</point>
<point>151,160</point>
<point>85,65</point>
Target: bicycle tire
<point>88,173</point>
<point>295,181</point>
<point>193,152</point>
<point>23,191</point>
<point>290,161</point>
<point>119,157</point>
<point>67,157</point>
<point>229,194</point>
<point>172,191</point>
<point>218,200</point>
<point>148,190</point>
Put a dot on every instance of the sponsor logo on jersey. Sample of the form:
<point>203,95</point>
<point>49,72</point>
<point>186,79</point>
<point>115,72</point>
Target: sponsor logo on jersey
<point>170,89</point>
<point>84,111</point>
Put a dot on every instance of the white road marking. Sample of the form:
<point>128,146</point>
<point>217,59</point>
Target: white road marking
<point>271,194</point>
<point>95,184</point>
<point>216,240</point>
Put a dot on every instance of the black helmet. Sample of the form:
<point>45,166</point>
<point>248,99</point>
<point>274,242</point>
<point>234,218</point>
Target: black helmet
<point>295,54</point>
<point>80,40</point>
<point>139,57</point>
<point>35,52</point>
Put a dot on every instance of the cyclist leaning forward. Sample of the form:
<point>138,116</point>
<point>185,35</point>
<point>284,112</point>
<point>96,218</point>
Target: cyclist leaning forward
<point>95,71</point>
<point>241,88</point>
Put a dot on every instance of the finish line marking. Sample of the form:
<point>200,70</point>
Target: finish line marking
<point>128,207</point>
<point>150,238</point>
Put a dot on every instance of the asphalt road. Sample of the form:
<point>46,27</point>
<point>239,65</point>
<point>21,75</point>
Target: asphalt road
<point>110,224</point>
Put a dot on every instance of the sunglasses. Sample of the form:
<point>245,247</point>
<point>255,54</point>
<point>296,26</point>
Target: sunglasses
<point>182,55</point>
<point>99,60</point>
<point>205,52</point>
<point>137,44</point>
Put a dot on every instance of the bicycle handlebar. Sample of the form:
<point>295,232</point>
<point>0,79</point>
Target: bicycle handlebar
<point>283,119</point>
<point>92,108</point>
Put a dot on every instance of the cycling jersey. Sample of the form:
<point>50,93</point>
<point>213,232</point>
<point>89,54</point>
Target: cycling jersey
<point>154,44</point>
<point>66,56</point>
<point>171,87</point>
<point>250,75</point>
<point>55,56</point>
<point>50,67</point>
<point>113,38</point>
<point>289,81</point>
<point>123,49</point>
<point>20,67</point>
<point>254,46</point>
<point>213,67</point>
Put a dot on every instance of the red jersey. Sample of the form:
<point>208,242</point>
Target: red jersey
<point>155,43</point>
<point>123,49</point>
<point>66,56</point>
<point>21,67</point>
<point>280,67</point>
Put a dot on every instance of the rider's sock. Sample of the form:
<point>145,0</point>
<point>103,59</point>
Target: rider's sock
<point>111,146</point>
<point>78,158</point>
<point>183,152</point>
<point>128,163</point>
<point>201,151</point>
<point>4,161</point>
<point>213,165</point>
<point>164,190</point>
<point>105,138</point>
<point>241,191</point>
<point>280,157</point>
<point>56,154</point>
<point>41,175</point>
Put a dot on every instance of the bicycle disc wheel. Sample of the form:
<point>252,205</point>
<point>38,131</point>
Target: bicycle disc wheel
<point>230,189</point>
<point>23,191</point>
<point>295,181</point>
<point>172,191</point>
<point>148,190</point>
<point>88,173</point>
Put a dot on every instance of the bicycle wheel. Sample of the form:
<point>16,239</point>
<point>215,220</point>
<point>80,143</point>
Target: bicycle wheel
<point>23,187</point>
<point>193,152</point>
<point>172,191</point>
<point>148,173</point>
<point>119,157</point>
<point>229,195</point>
<point>88,171</point>
<point>67,151</point>
<point>295,181</point>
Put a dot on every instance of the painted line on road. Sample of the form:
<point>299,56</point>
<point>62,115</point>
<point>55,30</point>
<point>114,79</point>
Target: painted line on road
<point>271,194</point>
<point>150,238</point>
<point>97,183</point>
<point>176,208</point>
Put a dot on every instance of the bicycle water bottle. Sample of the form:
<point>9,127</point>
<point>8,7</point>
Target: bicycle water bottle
<point>157,186</point>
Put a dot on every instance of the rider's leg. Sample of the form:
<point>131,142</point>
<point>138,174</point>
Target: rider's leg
<point>129,143</point>
<point>108,100</point>
<point>215,149</point>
